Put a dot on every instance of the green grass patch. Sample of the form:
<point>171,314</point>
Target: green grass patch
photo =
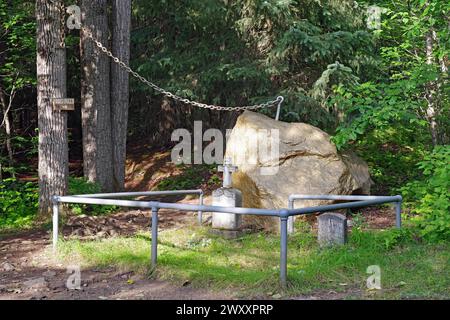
<point>250,265</point>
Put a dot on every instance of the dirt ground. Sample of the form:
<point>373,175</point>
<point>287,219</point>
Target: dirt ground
<point>27,272</point>
<point>31,276</point>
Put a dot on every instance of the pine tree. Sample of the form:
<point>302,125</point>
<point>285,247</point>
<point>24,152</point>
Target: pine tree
<point>51,83</point>
<point>95,96</point>
<point>121,25</point>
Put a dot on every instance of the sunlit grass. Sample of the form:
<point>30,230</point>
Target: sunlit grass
<point>251,264</point>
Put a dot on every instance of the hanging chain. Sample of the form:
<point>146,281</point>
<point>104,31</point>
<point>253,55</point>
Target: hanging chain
<point>62,32</point>
<point>277,102</point>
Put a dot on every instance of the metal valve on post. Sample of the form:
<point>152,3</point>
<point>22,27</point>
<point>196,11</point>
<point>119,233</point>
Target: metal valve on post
<point>227,224</point>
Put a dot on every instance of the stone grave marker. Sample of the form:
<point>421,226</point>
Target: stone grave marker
<point>332,229</point>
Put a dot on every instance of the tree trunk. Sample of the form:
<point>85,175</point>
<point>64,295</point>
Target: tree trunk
<point>95,97</point>
<point>442,65</point>
<point>431,108</point>
<point>121,11</point>
<point>5,121</point>
<point>443,81</point>
<point>51,83</point>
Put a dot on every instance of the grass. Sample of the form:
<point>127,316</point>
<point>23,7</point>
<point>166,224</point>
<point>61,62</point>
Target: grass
<point>250,265</point>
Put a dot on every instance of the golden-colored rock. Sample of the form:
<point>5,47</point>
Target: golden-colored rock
<point>307,163</point>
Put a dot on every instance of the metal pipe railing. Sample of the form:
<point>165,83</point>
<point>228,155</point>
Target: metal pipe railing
<point>148,193</point>
<point>360,201</point>
<point>339,197</point>
<point>283,214</point>
<point>140,194</point>
<point>165,205</point>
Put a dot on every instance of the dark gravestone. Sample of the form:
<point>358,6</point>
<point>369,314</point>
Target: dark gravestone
<point>332,229</point>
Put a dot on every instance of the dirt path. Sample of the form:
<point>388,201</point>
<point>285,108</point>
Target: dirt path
<point>30,277</point>
<point>27,271</point>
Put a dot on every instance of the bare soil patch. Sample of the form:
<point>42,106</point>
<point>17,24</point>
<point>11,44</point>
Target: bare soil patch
<point>28,273</point>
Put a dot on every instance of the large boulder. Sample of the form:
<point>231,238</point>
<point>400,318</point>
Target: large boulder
<point>307,163</point>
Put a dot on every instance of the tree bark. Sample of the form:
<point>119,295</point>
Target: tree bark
<point>431,108</point>
<point>442,82</point>
<point>95,97</point>
<point>121,26</point>
<point>5,121</point>
<point>51,83</point>
<point>442,64</point>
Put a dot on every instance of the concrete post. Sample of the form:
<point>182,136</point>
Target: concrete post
<point>227,224</point>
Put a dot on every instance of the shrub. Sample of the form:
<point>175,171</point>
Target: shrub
<point>18,203</point>
<point>429,197</point>
<point>82,186</point>
<point>382,123</point>
<point>191,177</point>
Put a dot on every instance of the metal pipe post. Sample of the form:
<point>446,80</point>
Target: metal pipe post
<point>200,213</point>
<point>398,214</point>
<point>55,224</point>
<point>291,228</point>
<point>154,254</point>
<point>283,251</point>
<point>280,101</point>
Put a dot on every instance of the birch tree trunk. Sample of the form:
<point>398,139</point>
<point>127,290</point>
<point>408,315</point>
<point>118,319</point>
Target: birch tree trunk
<point>95,97</point>
<point>121,25</point>
<point>6,107</point>
<point>51,83</point>
<point>431,108</point>
<point>441,83</point>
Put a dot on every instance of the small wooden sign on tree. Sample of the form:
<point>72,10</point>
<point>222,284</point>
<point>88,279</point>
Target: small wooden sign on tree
<point>63,104</point>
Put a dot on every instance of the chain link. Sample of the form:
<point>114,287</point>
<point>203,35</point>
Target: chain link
<point>62,32</point>
<point>89,34</point>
